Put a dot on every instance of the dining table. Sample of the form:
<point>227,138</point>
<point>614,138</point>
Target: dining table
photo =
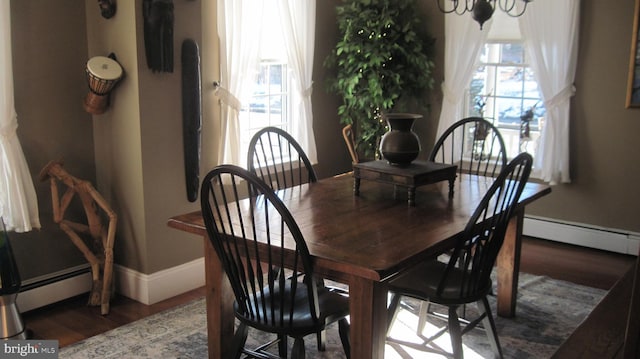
<point>363,241</point>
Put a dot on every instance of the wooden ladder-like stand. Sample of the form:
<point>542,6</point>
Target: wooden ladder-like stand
<point>100,254</point>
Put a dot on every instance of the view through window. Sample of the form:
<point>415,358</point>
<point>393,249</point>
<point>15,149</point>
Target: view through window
<point>504,91</point>
<point>269,103</point>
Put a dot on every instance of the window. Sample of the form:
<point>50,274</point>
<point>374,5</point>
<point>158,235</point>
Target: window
<point>267,51</point>
<point>269,102</point>
<point>503,90</point>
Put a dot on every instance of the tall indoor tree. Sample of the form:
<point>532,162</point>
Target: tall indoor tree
<point>382,61</point>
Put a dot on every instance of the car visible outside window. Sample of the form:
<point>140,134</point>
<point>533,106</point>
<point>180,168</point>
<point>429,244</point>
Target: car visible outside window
<point>504,91</point>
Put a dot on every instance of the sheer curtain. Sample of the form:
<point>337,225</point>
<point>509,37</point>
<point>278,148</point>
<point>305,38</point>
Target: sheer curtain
<point>463,42</point>
<point>18,202</point>
<point>550,29</point>
<point>299,24</point>
<point>238,61</point>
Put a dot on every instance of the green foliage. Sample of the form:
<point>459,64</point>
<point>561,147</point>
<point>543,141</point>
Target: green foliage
<point>381,61</point>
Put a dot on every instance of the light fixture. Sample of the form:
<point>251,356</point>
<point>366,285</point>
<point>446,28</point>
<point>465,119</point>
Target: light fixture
<point>482,10</point>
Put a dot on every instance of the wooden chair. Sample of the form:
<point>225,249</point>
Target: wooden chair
<point>277,158</point>
<point>465,278</point>
<point>287,303</point>
<point>477,147</point>
<point>350,139</point>
<point>474,144</point>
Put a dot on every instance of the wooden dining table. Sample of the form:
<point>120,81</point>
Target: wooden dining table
<point>365,240</point>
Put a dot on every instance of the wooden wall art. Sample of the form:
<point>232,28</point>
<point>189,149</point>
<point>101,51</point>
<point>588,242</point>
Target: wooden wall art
<point>107,8</point>
<point>633,86</point>
<point>158,34</point>
<point>191,116</point>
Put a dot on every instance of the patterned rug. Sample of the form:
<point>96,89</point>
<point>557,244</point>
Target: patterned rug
<point>547,312</point>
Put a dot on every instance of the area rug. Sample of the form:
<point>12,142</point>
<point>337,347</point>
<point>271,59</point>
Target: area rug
<point>547,312</point>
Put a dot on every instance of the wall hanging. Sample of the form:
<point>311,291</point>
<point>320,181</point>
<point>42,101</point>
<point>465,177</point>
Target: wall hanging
<point>103,73</point>
<point>107,8</point>
<point>191,116</point>
<point>633,83</point>
<point>158,34</point>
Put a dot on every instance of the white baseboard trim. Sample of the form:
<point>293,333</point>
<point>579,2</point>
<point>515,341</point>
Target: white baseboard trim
<point>54,292</point>
<point>144,288</point>
<point>153,288</point>
<point>608,239</point>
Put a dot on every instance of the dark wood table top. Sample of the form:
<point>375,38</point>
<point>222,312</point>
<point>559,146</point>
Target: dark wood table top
<point>374,235</point>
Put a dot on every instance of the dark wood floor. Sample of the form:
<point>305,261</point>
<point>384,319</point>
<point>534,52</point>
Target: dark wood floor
<point>71,320</point>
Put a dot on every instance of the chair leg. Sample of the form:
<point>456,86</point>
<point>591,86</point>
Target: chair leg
<point>455,333</point>
<point>282,346</point>
<point>298,349</point>
<point>239,339</point>
<point>322,339</point>
<point>422,316</point>
<point>345,331</point>
<point>392,311</point>
<point>490,327</point>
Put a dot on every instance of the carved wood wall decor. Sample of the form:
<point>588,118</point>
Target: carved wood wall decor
<point>158,34</point>
<point>107,8</point>
<point>191,116</point>
<point>99,250</point>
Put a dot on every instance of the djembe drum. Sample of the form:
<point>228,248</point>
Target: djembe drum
<point>103,73</point>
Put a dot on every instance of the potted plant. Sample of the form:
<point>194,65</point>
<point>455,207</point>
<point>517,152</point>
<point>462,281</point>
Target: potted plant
<point>382,61</point>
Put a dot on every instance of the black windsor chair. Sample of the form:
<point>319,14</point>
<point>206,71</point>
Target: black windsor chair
<point>466,277</point>
<point>249,236</point>
<point>278,159</point>
<point>474,144</point>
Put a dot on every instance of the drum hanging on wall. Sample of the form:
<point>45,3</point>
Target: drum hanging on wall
<point>103,73</point>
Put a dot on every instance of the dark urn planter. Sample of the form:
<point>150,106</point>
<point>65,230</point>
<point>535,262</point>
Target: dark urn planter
<point>400,145</point>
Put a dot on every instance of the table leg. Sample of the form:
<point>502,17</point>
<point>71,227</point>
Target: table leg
<point>509,265</point>
<point>451,184</point>
<point>411,194</point>
<point>368,310</point>
<point>219,300</point>
<point>356,186</point>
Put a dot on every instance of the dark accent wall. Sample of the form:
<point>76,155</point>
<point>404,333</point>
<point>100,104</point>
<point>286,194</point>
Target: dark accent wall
<point>49,56</point>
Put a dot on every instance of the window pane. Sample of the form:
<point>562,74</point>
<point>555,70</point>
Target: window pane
<point>512,53</point>
<point>510,81</point>
<point>509,111</point>
<point>530,85</point>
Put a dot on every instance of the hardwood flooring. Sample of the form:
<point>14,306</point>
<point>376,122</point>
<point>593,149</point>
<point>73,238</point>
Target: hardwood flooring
<point>71,320</point>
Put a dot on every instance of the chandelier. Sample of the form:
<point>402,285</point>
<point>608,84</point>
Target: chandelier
<point>481,10</point>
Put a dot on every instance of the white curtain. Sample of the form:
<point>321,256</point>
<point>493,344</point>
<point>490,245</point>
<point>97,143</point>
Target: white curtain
<point>18,202</point>
<point>299,25</point>
<point>238,61</point>
<point>550,29</point>
<point>463,42</point>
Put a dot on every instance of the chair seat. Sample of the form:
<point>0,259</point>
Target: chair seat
<point>422,281</point>
<point>333,306</point>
